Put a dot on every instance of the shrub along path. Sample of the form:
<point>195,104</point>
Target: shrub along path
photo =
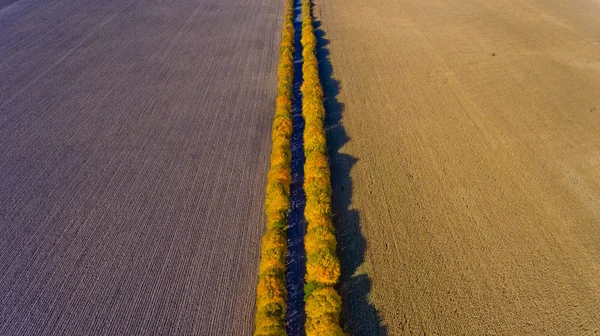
<point>322,303</point>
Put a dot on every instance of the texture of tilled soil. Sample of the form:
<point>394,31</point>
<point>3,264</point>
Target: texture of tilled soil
<point>466,164</point>
<point>134,143</point>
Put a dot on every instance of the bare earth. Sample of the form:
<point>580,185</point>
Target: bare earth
<point>472,164</point>
<point>134,144</point>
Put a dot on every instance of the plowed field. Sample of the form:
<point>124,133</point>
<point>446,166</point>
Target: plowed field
<point>134,147</point>
<point>466,164</point>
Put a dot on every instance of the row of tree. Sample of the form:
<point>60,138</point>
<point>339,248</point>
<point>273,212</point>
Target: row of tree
<point>322,302</point>
<point>271,293</point>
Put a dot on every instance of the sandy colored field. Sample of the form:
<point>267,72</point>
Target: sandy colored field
<point>134,147</point>
<point>471,166</point>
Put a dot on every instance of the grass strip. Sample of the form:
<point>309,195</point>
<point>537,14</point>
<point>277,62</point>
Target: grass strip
<point>322,302</point>
<point>270,291</point>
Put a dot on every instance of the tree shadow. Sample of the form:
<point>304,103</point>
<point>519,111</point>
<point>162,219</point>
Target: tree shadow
<point>359,316</point>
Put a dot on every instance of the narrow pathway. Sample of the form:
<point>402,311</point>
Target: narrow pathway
<point>296,222</point>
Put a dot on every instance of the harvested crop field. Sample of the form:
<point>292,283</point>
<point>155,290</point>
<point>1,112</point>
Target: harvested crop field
<point>465,164</point>
<point>134,147</point>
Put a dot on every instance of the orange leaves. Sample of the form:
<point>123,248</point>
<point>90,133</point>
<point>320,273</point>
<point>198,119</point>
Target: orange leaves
<point>279,179</point>
<point>323,267</point>
<point>322,302</point>
<point>270,292</point>
<point>282,126</point>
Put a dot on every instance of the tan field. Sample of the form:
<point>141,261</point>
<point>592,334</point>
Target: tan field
<point>465,141</point>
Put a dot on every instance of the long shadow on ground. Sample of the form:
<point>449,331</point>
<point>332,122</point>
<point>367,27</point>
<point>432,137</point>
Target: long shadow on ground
<point>359,317</point>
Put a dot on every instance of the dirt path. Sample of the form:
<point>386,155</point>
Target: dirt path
<point>134,145</point>
<point>466,166</point>
<point>296,258</point>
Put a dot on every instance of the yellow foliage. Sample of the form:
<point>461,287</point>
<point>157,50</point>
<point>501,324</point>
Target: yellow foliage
<point>277,201</point>
<point>323,301</point>
<point>273,248</point>
<point>271,261</point>
<point>280,173</point>
<point>323,304</point>
<point>270,291</point>
<point>325,325</point>
<point>320,237</point>
<point>317,165</point>
<point>270,304</point>
<point>316,212</point>
<point>270,320</point>
<point>282,126</point>
<point>322,221</point>
<point>322,267</point>
<point>280,157</point>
